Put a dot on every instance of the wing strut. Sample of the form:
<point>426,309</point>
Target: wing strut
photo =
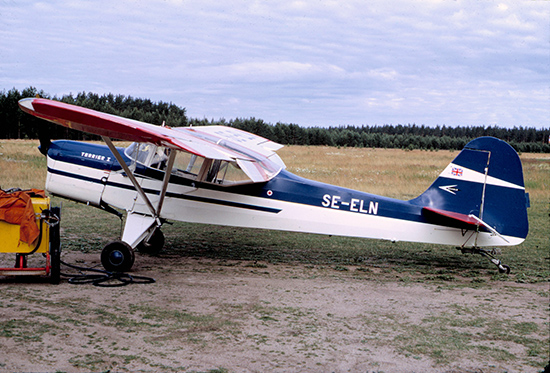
<point>168,172</point>
<point>130,175</point>
<point>139,189</point>
<point>140,227</point>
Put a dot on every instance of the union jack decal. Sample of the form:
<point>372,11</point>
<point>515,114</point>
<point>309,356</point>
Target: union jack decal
<point>456,171</point>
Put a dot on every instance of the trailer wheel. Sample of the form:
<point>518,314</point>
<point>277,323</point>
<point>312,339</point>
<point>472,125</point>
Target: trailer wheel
<point>55,248</point>
<point>117,256</point>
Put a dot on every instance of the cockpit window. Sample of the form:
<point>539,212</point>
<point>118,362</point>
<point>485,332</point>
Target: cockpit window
<point>226,173</point>
<point>148,154</point>
<point>188,165</point>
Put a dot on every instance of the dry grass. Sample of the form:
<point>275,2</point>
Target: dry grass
<point>21,165</point>
<point>536,169</point>
<point>389,172</point>
<point>394,172</point>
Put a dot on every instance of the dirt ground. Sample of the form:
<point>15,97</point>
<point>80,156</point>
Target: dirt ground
<point>218,316</point>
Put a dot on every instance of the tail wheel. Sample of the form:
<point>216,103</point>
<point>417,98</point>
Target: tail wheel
<point>154,245</point>
<point>503,268</point>
<point>117,256</point>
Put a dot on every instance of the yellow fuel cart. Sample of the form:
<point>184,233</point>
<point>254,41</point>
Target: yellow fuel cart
<point>14,203</point>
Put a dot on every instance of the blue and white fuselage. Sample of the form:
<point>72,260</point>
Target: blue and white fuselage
<point>90,173</point>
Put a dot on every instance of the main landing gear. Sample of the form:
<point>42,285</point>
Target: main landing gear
<point>118,256</point>
<point>490,254</point>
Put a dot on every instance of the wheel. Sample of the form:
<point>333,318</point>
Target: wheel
<point>503,268</point>
<point>55,249</point>
<point>117,256</point>
<point>154,245</point>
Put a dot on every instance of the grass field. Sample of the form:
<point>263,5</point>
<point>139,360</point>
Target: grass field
<point>484,331</point>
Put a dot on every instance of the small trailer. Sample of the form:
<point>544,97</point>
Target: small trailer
<point>19,210</point>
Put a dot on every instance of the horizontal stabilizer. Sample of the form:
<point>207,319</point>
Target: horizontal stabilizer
<point>449,218</point>
<point>457,220</point>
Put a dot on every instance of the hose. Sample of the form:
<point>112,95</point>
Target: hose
<point>104,278</point>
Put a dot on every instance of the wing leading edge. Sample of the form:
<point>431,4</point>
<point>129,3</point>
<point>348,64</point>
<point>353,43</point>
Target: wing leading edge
<point>254,154</point>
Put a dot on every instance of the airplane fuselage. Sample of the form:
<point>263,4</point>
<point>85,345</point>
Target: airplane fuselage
<point>89,173</point>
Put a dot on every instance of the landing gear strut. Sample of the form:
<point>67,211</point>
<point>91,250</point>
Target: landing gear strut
<point>490,254</point>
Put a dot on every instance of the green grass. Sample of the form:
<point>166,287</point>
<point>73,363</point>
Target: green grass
<point>529,261</point>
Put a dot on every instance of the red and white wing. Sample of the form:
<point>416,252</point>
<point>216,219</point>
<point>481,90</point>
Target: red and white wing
<point>254,154</point>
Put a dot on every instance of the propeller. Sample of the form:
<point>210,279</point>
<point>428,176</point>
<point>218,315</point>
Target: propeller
<point>45,141</point>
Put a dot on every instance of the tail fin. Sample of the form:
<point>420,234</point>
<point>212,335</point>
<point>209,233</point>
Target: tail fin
<point>482,187</point>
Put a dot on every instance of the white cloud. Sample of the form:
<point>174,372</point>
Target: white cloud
<point>306,62</point>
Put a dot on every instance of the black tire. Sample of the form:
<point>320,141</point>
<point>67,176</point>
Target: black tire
<point>117,256</point>
<point>55,249</point>
<point>504,269</point>
<point>154,245</point>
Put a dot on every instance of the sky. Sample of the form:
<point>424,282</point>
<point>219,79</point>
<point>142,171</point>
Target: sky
<point>311,63</point>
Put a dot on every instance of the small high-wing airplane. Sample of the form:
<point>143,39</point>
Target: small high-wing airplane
<point>225,176</point>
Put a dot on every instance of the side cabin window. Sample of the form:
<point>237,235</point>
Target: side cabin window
<point>188,165</point>
<point>225,173</point>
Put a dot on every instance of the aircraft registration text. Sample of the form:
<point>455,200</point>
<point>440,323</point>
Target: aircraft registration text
<point>354,205</point>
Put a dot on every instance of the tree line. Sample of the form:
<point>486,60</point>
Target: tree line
<point>14,124</point>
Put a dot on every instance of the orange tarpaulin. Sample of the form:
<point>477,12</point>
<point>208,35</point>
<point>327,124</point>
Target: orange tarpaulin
<point>16,208</point>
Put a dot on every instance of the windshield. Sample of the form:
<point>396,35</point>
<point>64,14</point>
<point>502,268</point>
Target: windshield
<point>147,154</point>
<point>140,152</point>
